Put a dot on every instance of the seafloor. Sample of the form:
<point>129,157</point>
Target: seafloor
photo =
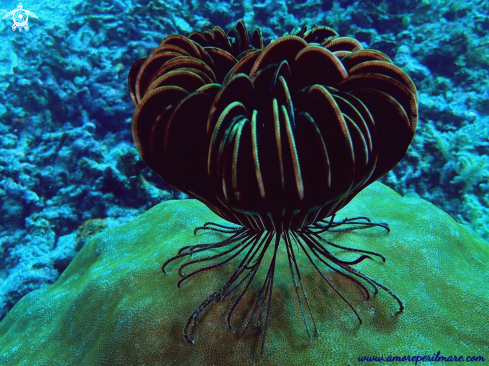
<point>68,167</point>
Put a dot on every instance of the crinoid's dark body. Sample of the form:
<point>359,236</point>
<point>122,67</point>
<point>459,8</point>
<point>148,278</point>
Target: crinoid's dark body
<point>273,139</point>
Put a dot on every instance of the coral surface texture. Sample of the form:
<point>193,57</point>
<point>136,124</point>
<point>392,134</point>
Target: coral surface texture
<point>114,306</point>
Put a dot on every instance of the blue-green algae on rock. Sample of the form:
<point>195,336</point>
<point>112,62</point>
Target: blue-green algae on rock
<point>114,306</point>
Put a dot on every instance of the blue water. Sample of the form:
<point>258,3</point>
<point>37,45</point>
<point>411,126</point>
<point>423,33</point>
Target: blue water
<point>68,166</point>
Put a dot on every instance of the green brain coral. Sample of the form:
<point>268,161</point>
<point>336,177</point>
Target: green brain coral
<point>114,306</point>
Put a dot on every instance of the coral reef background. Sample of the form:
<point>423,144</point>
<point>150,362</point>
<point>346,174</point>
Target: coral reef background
<point>68,168</point>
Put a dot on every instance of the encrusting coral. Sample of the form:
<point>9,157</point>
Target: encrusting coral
<point>113,306</point>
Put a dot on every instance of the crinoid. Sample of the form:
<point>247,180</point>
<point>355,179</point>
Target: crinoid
<point>275,140</point>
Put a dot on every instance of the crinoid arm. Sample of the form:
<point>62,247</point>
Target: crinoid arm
<point>250,252</point>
